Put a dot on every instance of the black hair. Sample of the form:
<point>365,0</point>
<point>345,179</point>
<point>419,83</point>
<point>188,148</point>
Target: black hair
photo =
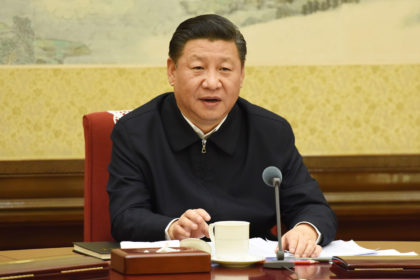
<point>210,26</point>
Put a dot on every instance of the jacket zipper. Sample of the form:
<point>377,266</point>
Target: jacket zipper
<point>203,146</point>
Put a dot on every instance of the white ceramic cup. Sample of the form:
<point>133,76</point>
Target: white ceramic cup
<point>230,239</point>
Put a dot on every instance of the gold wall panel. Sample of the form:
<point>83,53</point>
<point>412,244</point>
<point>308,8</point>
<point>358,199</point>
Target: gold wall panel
<point>334,110</point>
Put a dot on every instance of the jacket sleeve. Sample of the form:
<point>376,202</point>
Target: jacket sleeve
<point>302,199</point>
<point>131,194</point>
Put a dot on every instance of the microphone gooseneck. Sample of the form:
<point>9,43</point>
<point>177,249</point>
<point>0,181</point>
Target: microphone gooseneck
<point>272,177</point>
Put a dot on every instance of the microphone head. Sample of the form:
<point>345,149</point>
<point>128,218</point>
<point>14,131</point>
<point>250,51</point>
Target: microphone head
<point>270,173</point>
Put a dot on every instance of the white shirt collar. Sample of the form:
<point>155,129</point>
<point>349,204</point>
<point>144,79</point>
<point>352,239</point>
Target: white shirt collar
<point>199,132</point>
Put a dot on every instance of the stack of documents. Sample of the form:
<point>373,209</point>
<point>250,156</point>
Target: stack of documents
<point>261,247</point>
<point>266,248</point>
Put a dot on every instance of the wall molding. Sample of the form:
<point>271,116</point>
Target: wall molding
<point>41,203</point>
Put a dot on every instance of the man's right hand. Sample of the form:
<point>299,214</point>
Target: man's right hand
<point>192,224</point>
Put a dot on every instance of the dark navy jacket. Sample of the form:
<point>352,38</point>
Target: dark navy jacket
<point>158,171</point>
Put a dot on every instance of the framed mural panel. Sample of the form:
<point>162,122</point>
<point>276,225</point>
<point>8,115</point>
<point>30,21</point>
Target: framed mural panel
<point>278,32</point>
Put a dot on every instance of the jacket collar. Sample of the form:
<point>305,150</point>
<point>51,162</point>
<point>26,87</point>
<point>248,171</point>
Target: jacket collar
<point>181,135</point>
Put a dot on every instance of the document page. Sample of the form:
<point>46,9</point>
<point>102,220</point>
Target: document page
<point>142,244</point>
<point>266,248</point>
<point>261,247</point>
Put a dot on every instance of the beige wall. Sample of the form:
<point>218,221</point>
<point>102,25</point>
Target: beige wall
<point>334,110</point>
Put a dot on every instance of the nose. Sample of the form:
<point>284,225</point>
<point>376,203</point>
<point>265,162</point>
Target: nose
<point>212,80</point>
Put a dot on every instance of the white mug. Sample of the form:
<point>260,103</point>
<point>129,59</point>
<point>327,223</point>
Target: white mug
<point>230,239</point>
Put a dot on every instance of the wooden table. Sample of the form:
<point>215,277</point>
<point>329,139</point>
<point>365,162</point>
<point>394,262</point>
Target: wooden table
<point>257,272</point>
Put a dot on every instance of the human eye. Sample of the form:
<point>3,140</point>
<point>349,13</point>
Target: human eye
<point>225,69</point>
<point>197,67</point>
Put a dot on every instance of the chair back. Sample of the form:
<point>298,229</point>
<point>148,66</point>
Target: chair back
<point>98,145</point>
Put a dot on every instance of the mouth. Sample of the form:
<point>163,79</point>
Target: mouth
<point>210,99</point>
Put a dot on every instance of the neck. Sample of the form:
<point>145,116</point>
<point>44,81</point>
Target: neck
<point>203,130</point>
<point>207,128</point>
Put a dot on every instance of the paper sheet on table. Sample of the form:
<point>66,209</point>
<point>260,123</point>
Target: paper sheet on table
<point>266,248</point>
<point>393,252</point>
<point>261,247</point>
<point>156,244</point>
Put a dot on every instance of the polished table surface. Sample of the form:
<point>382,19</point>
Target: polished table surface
<point>256,272</point>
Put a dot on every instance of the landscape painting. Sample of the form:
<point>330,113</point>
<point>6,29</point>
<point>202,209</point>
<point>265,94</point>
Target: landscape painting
<point>278,32</point>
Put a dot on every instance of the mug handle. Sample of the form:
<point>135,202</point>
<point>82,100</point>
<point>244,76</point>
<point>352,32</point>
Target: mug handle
<point>211,232</point>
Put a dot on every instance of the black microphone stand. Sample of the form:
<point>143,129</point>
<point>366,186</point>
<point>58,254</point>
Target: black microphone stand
<point>280,263</point>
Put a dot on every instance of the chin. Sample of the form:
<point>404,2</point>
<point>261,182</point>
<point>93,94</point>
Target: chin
<point>213,118</point>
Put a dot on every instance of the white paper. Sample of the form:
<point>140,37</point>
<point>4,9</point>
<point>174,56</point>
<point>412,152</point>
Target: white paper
<point>261,247</point>
<point>345,248</point>
<point>266,248</point>
<point>393,252</point>
<point>156,244</point>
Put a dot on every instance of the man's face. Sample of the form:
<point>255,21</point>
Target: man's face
<point>206,79</point>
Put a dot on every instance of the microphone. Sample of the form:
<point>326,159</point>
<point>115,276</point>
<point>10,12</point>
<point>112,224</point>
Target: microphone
<point>272,177</point>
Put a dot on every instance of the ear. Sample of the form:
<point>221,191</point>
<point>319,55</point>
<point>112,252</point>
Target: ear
<point>170,70</point>
<point>242,75</point>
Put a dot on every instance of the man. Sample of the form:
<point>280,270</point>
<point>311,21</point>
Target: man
<point>196,155</point>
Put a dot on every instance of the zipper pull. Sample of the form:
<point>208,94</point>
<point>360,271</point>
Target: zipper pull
<point>203,146</point>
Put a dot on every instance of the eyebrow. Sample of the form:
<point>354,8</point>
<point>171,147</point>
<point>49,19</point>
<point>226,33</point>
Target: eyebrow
<point>198,57</point>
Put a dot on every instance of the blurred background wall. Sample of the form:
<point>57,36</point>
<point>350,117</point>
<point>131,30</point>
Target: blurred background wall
<point>334,110</point>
